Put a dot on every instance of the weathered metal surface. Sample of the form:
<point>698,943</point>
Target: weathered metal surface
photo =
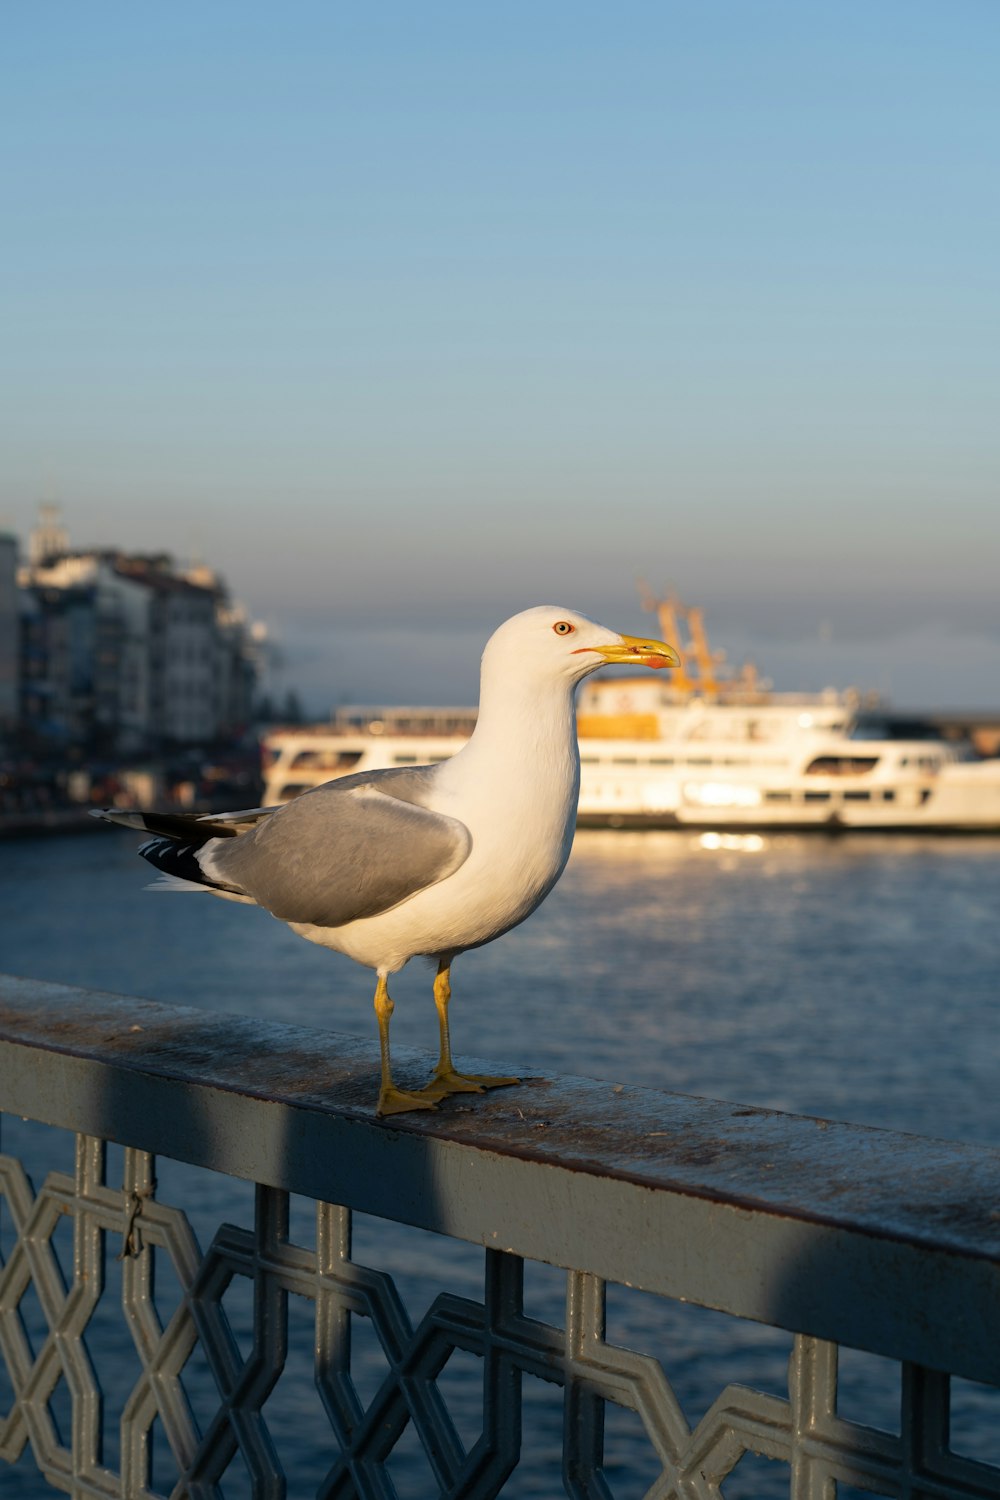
<point>886,1242</point>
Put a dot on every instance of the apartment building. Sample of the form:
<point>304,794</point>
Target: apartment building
<point>124,650</point>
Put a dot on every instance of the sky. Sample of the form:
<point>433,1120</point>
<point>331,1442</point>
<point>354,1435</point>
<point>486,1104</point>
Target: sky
<point>406,317</point>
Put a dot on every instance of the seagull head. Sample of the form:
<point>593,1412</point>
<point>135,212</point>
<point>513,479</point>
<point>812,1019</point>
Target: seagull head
<point>558,644</point>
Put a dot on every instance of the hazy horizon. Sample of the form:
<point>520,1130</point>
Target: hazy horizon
<point>407,319</point>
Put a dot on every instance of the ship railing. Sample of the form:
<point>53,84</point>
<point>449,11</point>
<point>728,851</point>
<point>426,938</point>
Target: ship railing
<point>442,722</point>
<point>143,1358</point>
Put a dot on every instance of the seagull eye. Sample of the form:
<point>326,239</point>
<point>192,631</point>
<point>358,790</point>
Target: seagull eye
<point>563,627</point>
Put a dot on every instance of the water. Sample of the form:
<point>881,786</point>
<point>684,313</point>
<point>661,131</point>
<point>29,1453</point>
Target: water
<point>854,978</point>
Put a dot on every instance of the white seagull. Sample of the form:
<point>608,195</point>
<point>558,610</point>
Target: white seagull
<point>424,860</point>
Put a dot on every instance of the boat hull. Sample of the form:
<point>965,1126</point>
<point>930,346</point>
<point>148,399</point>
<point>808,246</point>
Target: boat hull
<point>831,827</point>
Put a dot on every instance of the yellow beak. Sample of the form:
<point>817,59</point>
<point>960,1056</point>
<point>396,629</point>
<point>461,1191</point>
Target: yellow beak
<point>633,650</point>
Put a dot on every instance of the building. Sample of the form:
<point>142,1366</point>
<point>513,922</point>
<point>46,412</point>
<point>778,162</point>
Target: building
<point>85,652</point>
<point>9,631</point>
<point>124,652</point>
<point>184,647</point>
<point>49,539</point>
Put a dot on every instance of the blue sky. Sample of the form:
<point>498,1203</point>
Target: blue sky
<point>408,316</point>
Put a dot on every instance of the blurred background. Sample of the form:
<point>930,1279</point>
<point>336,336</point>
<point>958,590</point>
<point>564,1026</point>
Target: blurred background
<point>406,317</point>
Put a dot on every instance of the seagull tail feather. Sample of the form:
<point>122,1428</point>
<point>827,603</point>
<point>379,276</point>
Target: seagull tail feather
<point>177,883</point>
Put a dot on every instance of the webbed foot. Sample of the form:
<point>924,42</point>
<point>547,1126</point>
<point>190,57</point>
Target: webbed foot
<point>447,1081</point>
<point>394,1101</point>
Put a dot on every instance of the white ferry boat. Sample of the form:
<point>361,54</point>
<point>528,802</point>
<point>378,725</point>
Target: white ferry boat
<point>708,749</point>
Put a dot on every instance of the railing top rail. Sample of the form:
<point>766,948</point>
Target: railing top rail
<point>884,1241</point>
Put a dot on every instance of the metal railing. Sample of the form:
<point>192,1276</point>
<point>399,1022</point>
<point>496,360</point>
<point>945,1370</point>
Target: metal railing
<point>844,1236</point>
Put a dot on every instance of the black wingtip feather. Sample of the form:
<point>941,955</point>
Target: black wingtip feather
<point>174,858</point>
<point>171,858</point>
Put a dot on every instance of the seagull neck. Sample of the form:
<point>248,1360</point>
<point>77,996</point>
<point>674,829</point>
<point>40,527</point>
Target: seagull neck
<point>525,723</point>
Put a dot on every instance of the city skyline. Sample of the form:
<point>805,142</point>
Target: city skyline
<point>407,320</point>
<point>338,658</point>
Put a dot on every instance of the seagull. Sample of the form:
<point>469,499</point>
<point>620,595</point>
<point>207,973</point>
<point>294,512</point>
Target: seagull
<point>389,865</point>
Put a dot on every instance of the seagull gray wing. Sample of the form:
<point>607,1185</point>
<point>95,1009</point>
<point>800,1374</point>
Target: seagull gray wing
<point>347,850</point>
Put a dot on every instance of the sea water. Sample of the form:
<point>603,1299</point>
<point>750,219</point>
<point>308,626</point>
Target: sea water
<point>854,978</point>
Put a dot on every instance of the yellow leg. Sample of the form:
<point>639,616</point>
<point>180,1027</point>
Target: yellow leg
<point>391,1100</point>
<point>445,1080</point>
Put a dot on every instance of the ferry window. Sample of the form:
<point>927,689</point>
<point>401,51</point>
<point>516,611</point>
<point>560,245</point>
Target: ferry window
<point>661,760</point>
<point>406,760</point>
<point>888,795</point>
<point>325,760</point>
<point>841,765</point>
<point>850,796</point>
<point>817,796</point>
<point>589,760</point>
<point>624,760</point>
<point>777,796</point>
<point>763,729</point>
